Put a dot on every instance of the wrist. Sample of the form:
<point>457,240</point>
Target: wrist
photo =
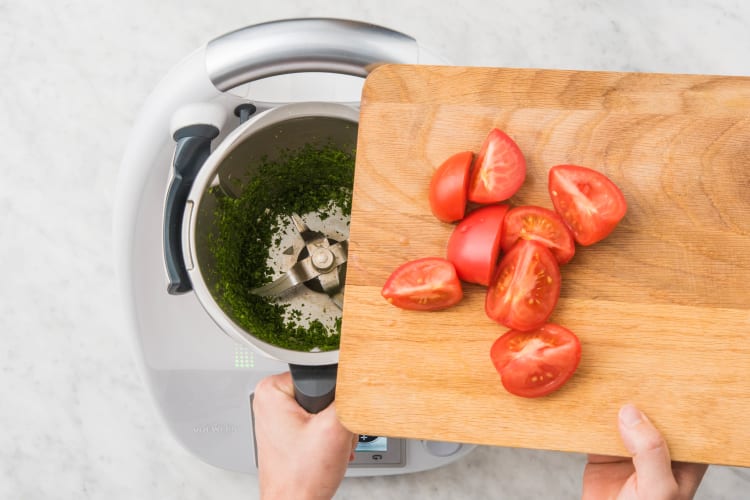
<point>291,495</point>
<point>292,490</point>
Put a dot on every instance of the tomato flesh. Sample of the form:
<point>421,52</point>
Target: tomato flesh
<point>542,225</point>
<point>525,287</point>
<point>474,244</point>
<point>499,170</point>
<point>536,363</point>
<point>448,187</point>
<point>587,200</point>
<point>427,284</point>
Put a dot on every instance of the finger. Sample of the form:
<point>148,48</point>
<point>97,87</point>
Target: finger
<point>336,427</point>
<point>651,460</point>
<point>283,383</point>
<point>355,442</point>
<point>331,408</point>
<point>273,392</point>
<point>331,426</point>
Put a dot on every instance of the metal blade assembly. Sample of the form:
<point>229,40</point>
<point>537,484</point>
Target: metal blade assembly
<point>319,264</point>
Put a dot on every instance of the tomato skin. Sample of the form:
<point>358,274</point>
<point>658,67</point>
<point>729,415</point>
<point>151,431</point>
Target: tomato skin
<point>587,200</point>
<point>499,170</point>
<point>536,363</point>
<point>448,187</point>
<point>474,244</point>
<point>542,225</point>
<point>525,288</point>
<point>427,284</point>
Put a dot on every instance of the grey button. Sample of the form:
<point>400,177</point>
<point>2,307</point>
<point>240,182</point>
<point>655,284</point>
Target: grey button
<point>441,448</point>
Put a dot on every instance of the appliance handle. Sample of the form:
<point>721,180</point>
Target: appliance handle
<point>304,45</point>
<point>314,386</point>
<point>192,149</point>
<point>270,49</point>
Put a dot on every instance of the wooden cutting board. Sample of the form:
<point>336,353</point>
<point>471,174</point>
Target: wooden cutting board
<point>662,306</point>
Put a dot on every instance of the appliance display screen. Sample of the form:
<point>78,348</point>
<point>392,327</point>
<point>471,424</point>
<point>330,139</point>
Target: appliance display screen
<point>372,443</point>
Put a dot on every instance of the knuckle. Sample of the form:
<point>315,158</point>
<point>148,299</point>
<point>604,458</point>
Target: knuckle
<point>262,386</point>
<point>262,391</point>
<point>652,441</point>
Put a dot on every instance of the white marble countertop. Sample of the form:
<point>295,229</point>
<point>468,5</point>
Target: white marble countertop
<point>76,419</point>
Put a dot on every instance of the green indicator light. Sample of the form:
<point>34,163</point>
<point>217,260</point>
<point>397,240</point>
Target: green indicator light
<point>244,358</point>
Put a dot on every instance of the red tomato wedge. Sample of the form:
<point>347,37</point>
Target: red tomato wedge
<point>448,187</point>
<point>542,225</point>
<point>499,170</point>
<point>525,288</point>
<point>427,284</point>
<point>536,363</point>
<point>474,244</point>
<point>588,201</point>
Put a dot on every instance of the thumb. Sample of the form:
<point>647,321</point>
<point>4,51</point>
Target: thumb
<point>653,467</point>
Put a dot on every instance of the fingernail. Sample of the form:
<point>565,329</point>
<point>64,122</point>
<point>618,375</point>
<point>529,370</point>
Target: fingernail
<point>630,416</point>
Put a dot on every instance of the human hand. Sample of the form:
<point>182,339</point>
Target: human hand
<point>650,474</point>
<point>300,455</point>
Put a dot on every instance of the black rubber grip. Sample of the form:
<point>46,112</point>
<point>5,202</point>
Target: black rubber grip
<point>192,149</point>
<point>314,386</point>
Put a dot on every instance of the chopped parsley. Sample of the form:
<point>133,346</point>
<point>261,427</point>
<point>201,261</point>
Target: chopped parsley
<point>312,178</point>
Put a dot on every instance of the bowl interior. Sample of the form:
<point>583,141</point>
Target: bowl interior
<point>237,170</point>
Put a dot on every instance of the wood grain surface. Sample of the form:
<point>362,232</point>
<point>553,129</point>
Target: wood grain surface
<point>661,306</point>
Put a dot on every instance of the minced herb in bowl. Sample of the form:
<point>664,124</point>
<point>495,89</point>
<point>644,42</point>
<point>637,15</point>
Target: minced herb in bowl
<point>313,179</point>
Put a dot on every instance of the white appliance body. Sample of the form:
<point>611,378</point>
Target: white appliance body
<point>201,379</point>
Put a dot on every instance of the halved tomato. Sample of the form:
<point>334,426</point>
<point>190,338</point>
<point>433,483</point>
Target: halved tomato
<point>474,244</point>
<point>588,201</point>
<point>536,363</point>
<point>427,284</point>
<point>448,187</point>
<point>499,170</point>
<point>525,288</point>
<point>542,225</point>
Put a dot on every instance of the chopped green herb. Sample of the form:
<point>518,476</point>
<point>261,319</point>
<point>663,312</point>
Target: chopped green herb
<point>310,179</point>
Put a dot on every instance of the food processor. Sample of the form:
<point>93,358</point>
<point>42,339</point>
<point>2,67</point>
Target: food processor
<point>244,95</point>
